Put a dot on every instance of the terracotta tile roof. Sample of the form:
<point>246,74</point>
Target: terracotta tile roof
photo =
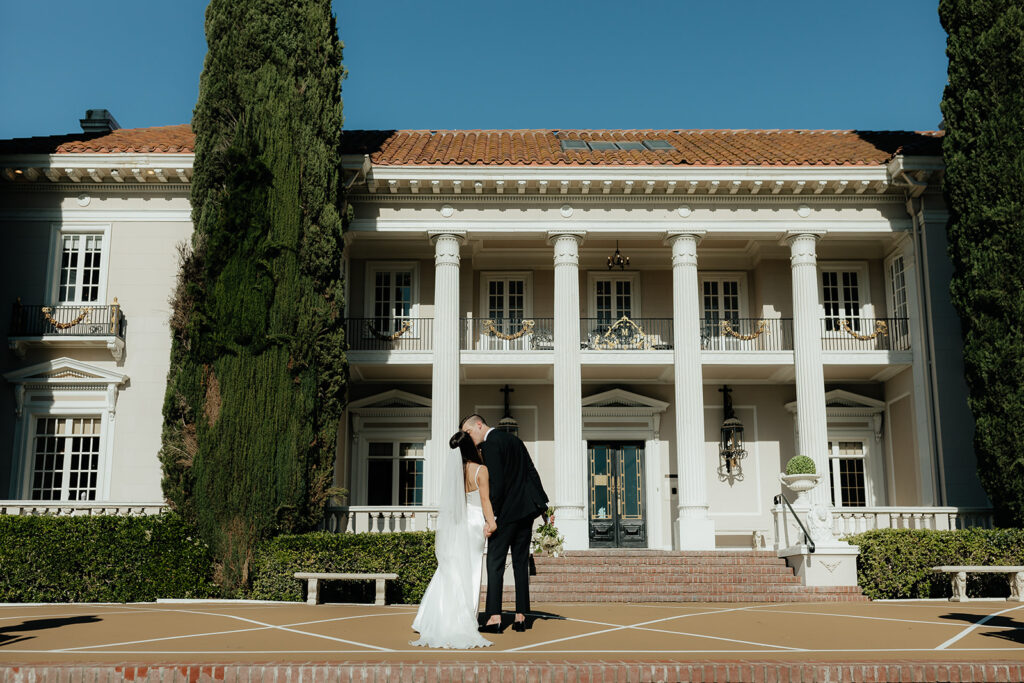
<point>691,147</point>
<point>158,140</point>
<point>543,147</point>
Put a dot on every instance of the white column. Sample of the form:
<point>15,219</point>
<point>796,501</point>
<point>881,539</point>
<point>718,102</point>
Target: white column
<point>696,530</point>
<point>810,377</point>
<point>444,396</point>
<point>570,454</point>
<point>922,400</point>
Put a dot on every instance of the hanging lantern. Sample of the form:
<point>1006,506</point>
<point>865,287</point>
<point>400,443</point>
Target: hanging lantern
<point>731,449</point>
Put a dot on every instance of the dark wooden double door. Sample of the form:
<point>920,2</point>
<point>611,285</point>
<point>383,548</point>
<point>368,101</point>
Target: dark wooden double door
<point>616,483</point>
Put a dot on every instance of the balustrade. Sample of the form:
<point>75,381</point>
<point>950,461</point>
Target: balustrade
<point>389,334</point>
<point>69,320</point>
<point>626,334</point>
<point>747,334</point>
<point>376,519</point>
<point>865,334</point>
<point>505,334</point>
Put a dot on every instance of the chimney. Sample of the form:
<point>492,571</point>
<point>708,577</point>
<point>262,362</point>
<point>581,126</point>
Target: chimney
<point>98,121</point>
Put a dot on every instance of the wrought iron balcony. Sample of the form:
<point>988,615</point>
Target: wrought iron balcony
<point>67,325</point>
<point>389,334</point>
<point>626,334</point>
<point>865,334</point>
<point>508,334</point>
<point>747,334</point>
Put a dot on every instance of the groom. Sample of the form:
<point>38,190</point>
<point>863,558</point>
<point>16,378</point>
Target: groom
<point>517,498</point>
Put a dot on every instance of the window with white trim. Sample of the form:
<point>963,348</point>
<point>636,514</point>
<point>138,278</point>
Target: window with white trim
<point>721,298</point>
<point>391,294</point>
<point>841,298</point>
<point>898,305</point>
<point>614,296</point>
<point>848,473</point>
<point>65,458</point>
<point>394,473</point>
<point>79,263</point>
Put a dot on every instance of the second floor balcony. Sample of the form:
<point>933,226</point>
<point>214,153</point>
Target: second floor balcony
<point>67,326</point>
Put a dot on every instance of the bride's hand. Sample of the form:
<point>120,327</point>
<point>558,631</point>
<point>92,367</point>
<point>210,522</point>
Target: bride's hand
<point>489,528</point>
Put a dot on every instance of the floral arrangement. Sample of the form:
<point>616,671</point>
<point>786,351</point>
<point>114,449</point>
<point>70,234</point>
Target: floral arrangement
<point>546,538</point>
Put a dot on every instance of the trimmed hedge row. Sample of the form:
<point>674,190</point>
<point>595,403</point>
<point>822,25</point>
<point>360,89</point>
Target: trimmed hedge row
<point>408,554</point>
<point>102,559</point>
<point>896,563</point>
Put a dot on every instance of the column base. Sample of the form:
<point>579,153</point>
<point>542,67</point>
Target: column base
<point>696,534</point>
<point>834,565</point>
<point>575,532</point>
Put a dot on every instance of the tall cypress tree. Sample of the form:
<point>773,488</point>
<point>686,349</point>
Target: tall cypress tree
<point>983,107</point>
<point>256,384</point>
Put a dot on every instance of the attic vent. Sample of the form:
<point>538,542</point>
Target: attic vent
<point>602,145</point>
<point>631,145</point>
<point>574,144</point>
<point>658,144</point>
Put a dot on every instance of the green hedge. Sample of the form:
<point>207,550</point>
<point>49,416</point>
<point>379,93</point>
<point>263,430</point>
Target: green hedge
<point>410,555</point>
<point>896,563</point>
<point>102,559</point>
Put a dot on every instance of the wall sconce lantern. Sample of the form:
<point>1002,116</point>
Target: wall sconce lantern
<point>616,260</point>
<point>508,423</point>
<point>731,448</point>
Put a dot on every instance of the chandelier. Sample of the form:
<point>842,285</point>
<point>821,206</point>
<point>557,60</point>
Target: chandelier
<point>616,260</point>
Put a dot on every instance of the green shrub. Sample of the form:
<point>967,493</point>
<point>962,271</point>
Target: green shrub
<point>102,559</point>
<point>800,464</point>
<point>408,554</point>
<point>896,563</point>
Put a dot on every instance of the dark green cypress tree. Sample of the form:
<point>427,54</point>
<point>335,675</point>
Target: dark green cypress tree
<point>983,108</point>
<point>256,384</point>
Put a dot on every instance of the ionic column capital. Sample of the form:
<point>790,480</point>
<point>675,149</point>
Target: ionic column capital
<point>567,247</point>
<point>803,247</point>
<point>446,246</point>
<point>684,246</point>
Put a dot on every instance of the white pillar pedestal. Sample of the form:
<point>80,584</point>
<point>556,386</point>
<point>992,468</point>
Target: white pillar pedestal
<point>570,455</point>
<point>696,529</point>
<point>444,410</point>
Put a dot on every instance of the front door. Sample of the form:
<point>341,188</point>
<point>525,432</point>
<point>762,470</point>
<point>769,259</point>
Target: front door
<point>616,478</point>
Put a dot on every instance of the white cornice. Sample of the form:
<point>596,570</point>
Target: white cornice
<point>92,216</point>
<point>762,226</point>
<point>115,169</point>
<point>629,172</point>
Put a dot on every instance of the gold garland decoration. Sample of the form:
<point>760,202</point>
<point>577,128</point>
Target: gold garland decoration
<point>762,328</point>
<point>609,340</point>
<point>880,328</point>
<point>63,326</point>
<point>491,329</point>
<point>406,326</point>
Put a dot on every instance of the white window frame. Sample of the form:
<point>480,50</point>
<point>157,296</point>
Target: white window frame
<point>873,478</point>
<point>29,456</point>
<point>57,232</point>
<point>62,388</point>
<point>486,277</point>
<point>891,304</point>
<point>633,277</point>
<point>867,308</point>
<point>374,267</point>
<point>711,276</point>
<point>396,458</point>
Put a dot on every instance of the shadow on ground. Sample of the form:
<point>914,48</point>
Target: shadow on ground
<point>1014,629</point>
<point>39,625</point>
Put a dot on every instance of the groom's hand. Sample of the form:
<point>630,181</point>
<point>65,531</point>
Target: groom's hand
<point>490,529</point>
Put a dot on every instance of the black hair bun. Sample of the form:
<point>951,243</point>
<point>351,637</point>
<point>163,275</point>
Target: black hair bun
<point>457,438</point>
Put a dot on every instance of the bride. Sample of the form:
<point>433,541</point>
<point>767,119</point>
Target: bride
<point>447,616</point>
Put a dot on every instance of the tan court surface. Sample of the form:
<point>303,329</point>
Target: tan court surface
<point>220,632</point>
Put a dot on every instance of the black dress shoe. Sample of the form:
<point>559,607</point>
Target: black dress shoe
<point>491,628</point>
<point>519,626</point>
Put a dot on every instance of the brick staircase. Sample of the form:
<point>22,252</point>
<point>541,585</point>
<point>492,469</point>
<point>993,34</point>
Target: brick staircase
<point>663,576</point>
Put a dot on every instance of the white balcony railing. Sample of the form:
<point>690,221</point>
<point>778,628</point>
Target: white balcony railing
<point>379,519</point>
<point>77,508</point>
<point>846,521</point>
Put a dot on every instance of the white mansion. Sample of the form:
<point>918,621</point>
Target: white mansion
<point>597,291</point>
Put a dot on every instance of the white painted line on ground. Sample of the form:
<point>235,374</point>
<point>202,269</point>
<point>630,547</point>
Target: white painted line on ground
<point>859,616</point>
<point>622,628</point>
<point>222,633</point>
<point>980,622</point>
<point>679,633</point>
<point>45,615</point>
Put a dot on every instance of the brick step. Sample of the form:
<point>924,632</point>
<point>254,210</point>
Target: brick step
<point>662,570</point>
<point>668,588</point>
<point>627,578</point>
<point>659,561</point>
<point>643,552</point>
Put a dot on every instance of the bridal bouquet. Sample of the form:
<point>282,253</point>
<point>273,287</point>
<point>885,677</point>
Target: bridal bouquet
<point>546,538</point>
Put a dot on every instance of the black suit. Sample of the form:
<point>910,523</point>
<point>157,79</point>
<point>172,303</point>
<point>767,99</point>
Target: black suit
<point>518,498</point>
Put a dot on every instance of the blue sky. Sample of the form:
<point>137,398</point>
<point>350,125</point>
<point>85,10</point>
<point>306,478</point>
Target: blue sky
<point>869,64</point>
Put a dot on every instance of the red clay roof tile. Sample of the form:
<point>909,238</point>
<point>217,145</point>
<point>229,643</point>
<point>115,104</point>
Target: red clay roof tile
<point>543,147</point>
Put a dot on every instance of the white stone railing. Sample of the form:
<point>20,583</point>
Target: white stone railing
<point>378,519</point>
<point>846,521</point>
<point>75,508</point>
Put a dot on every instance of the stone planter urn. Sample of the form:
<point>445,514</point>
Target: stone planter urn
<point>800,484</point>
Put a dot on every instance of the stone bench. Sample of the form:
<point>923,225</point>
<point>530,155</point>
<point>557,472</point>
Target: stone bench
<point>314,579</point>
<point>1015,575</point>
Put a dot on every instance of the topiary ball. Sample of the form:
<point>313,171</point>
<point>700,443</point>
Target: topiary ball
<point>800,464</point>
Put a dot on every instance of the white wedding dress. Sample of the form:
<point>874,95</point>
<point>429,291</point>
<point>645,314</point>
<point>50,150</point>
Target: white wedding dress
<point>447,616</point>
